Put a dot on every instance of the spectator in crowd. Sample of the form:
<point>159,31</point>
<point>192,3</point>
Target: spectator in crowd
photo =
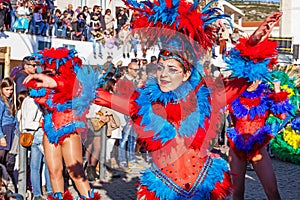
<point>109,20</point>
<point>7,121</point>
<point>57,23</point>
<point>78,10</point>
<point>22,21</point>
<point>70,10</point>
<point>153,60</point>
<point>39,21</point>
<point>151,70</point>
<point>29,67</point>
<point>79,27</point>
<point>121,19</point>
<point>110,41</point>
<point>87,15</point>
<point>97,37</point>
<point>66,24</point>
<point>49,19</point>
<point>124,39</point>
<point>50,4</point>
<point>3,15</point>
<point>235,36</point>
<point>96,17</point>
<point>223,39</point>
<point>128,135</point>
<point>5,192</point>
<point>93,146</point>
<point>134,41</point>
<point>31,121</point>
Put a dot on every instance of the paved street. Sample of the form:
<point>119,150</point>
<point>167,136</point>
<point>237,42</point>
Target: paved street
<point>288,178</point>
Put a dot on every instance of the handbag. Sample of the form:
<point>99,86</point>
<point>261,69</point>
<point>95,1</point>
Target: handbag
<point>26,139</point>
<point>96,122</point>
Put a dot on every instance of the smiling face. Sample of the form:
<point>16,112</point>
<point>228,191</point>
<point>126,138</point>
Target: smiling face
<point>30,67</point>
<point>170,74</point>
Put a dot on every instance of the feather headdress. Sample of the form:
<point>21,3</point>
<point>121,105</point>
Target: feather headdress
<point>178,25</point>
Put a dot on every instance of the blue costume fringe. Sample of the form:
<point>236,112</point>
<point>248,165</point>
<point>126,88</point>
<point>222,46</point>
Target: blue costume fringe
<point>247,146</point>
<point>164,130</point>
<point>214,170</point>
<point>37,92</point>
<point>53,134</point>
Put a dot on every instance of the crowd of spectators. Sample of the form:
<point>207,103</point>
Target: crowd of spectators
<point>42,18</point>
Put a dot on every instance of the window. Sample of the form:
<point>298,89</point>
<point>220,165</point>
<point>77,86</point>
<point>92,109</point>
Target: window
<point>69,46</point>
<point>43,45</point>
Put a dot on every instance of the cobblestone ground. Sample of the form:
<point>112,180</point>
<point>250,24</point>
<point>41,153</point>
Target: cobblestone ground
<point>288,178</point>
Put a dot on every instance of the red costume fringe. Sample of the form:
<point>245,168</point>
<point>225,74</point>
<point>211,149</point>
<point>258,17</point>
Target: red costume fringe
<point>279,97</point>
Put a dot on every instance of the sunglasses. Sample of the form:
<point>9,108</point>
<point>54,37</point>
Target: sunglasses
<point>136,70</point>
<point>33,65</point>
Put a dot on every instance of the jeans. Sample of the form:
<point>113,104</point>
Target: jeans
<point>134,44</point>
<point>37,156</point>
<point>13,19</point>
<point>128,136</point>
<point>95,43</point>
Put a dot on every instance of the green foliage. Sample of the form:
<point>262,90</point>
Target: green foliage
<point>255,11</point>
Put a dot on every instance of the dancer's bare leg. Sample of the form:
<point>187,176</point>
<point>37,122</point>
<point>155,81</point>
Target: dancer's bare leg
<point>54,162</point>
<point>72,154</point>
<point>266,175</point>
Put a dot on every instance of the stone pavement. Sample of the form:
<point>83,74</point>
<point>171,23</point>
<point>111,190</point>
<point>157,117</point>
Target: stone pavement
<point>288,178</point>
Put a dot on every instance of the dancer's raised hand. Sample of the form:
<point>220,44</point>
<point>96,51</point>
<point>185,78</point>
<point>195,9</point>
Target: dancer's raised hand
<point>264,30</point>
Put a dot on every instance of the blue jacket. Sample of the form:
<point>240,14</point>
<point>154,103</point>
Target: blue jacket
<point>5,117</point>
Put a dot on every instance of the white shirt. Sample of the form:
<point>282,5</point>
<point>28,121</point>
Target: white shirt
<point>31,115</point>
<point>23,11</point>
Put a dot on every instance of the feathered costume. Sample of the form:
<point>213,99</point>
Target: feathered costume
<point>66,105</point>
<point>177,126</point>
<point>286,144</point>
<point>249,114</point>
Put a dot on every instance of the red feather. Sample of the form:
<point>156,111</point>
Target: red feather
<point>259,52</point>
<point>56,53</point>
<point>169,3</point>
<point>67,195</point>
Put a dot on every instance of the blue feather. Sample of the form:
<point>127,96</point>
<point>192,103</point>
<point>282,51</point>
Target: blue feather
<point>244,68</point>
<point>246,146</point>
<point>164,188</point>
<point>37,92</point>
<point>88,78</point>
<point>240,111</point>
<point>296,124</point>
<point>164,130</point>
<point>53,134</point>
